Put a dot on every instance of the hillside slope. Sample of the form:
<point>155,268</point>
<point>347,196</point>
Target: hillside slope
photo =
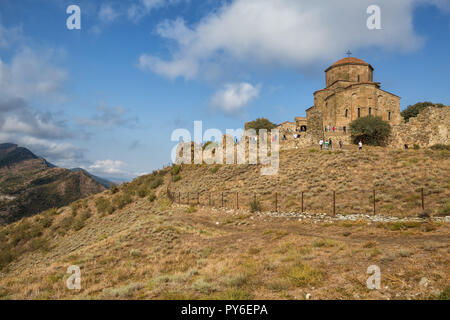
<point>137,244</point>
<point>29,185</point>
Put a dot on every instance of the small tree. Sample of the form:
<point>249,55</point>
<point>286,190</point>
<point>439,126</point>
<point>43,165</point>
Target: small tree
<point>370,130</point>
<point>413,110</point>
<point>260,123</point>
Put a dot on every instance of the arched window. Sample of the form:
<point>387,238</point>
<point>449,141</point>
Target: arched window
<point>359,112</point>
<point>346,113</point>
<point>389,116</point>
<point>345,129</point>
<point>370,111</point>
<point>359,78</point>
<point>303,128</point>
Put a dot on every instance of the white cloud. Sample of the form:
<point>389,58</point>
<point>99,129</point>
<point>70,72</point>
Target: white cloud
<point>286,33</point>
<point>107,13</point>
<point>234,96</point>
<point>32,74</point>
<point>109,167</point>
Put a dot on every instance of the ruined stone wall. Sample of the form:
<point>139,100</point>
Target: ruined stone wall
<point>430,127</point>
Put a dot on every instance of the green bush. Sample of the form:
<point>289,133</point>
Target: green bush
<point>103,205</point>
<point>114,189</point>
<point>120,201</point>
<point>175,170</point>
<point>255,206</point>
<point>416,147</point>
<point>441,147</point>
<point>215,169</point>
<point>156,183</point>
<point>413,110</point>
<point>445,210</point>
<point>152,197</point>
<point>142,192</point>
<point>260,123</point>
<point>176,178</point>
<point>370,130</point>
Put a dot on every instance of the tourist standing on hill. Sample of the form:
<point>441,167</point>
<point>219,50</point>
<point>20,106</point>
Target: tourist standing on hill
<point>321,144</point>
<point>340,144</point>
<point>326,145</point>
<point>360,145</point>
<point>330,143</point>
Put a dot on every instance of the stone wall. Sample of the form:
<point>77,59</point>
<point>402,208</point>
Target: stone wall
<point>430,127</point>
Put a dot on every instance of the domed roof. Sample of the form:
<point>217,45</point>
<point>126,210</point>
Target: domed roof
<point>349,60</point>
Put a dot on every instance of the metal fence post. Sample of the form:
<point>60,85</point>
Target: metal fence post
<point>423,200</point>
<point>276,201</point>
<point>334,203</point>
<point>302,203</point>
<point>374,204</point>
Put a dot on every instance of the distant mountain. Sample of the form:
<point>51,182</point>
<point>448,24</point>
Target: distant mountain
<point>29,184</point>
<point>104,182</point>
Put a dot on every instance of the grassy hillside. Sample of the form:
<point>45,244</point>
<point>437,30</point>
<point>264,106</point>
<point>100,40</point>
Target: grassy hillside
<point>133,242</point>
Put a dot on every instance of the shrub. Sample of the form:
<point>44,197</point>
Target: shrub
<point>152,197</point>
<point>445,210</point>
<point>103,205</point>
<point>175,170</point>
<point>156,183</point>
<point>441,147</point>
<point>370,130</point>
<point>176,178</point>
<point>191,209</point>
<point>215,169</point>
<point>260,123</point>
<point>445,294</point>
<point>120,201</point>
<point>255,206</point>
<point>142,192</point>
<point>114,189</point>
<point>302,274</point>
<point>413,110</point>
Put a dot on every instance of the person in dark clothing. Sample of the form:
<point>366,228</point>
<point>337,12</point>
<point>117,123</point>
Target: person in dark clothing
<point>340,144</point>
<point>330,143</point>
<point>406,146</point>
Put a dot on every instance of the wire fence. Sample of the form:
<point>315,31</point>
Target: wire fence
<point>330,202</point>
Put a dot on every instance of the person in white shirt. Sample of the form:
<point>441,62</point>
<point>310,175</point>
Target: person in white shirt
<point>360,145</point>
<point>321,144</point>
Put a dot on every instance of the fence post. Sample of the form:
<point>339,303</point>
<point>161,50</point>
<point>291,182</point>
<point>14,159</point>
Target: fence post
<point>276,201</point>
<point>334,203</point>
<point>237,200</point>
<point>302,203</point>
<point>374,204</point>
<point>423,200</point>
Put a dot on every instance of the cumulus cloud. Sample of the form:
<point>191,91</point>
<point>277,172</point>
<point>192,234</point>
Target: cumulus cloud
<point>32,74</point>
<point>234,96</point>
<point>287,33</point>
<point>108,167</point>
<point>109,117</point>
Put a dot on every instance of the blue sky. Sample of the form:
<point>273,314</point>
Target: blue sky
<point>107,97</point>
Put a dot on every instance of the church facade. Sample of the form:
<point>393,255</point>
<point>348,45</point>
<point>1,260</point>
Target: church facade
<point>350,93</point>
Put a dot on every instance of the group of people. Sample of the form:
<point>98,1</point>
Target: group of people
<point>328,144</point>
<point>330,128</point>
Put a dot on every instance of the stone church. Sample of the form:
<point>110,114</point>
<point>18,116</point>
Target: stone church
<point>350,93</point>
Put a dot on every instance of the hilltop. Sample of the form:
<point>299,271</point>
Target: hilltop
<point>29,184</point>
<point>136,241</point>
